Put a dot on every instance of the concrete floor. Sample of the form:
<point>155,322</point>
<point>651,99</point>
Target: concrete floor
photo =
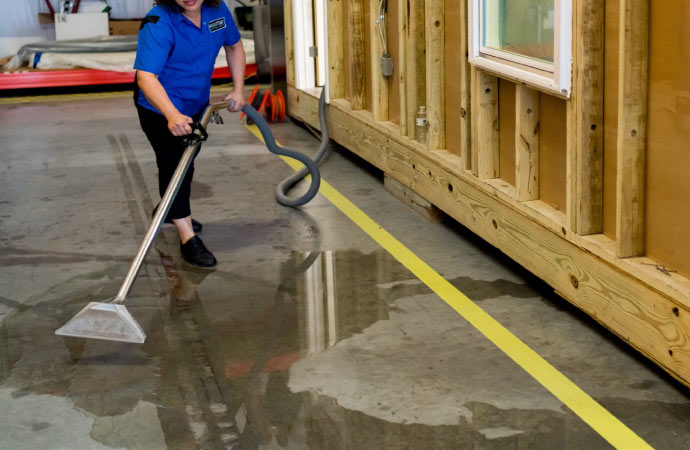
<point>262,352</point>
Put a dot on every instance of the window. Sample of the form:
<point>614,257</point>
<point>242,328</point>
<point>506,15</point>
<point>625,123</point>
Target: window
<point>525,40</point>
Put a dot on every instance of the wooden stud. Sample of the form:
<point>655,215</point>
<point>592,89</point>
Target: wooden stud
<point>357,63</point>
<point>415,63</point>
<point>632,127</point>
<point>402,58</point>
<point>379,83</point>
<point>465,109</point>
<point>485,148</point>
<point>586,121</point>
<point>435,71</point>
<point>336,74</point>
<point>526,144</point>
<point>289,43</point>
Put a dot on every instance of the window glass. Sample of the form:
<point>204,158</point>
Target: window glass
<point>522,27</point>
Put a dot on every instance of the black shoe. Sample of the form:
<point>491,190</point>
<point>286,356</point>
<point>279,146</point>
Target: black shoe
<point>195,253</point>
<point>196,225</point>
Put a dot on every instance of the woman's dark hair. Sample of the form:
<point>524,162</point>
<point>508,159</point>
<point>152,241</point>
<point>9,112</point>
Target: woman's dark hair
<point>171,3</point>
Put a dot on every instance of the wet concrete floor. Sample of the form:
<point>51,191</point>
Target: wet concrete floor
<point>306,335</point>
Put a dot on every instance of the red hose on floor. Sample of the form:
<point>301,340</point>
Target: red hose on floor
<point>271,105</point>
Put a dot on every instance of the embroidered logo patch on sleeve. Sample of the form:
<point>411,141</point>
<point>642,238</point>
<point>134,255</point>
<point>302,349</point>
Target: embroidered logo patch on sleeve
<point>216,25</point>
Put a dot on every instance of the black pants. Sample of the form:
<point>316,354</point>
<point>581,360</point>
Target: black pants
<point>169,150</point>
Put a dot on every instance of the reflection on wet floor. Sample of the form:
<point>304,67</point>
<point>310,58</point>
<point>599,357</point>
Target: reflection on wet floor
<point>244,364</point>
<point>279,347</point>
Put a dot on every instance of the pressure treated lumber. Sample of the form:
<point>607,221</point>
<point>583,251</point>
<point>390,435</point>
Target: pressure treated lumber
<point>655,324</point>
<point>401,82</point>
<point>379,84</point>
<point>435,72</point>
<point>526,143</point>
<point>357,61</point>
<point>632,127</point>
<point>465,103</point>
<point>586,120</point>
<point>485,132</point>
<point>336,35</point>
<point>415,63</point>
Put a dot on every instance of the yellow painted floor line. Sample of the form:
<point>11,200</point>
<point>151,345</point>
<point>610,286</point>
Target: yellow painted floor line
<point>591,412</point>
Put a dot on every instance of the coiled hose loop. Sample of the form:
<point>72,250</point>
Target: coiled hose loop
<point>311,166</point>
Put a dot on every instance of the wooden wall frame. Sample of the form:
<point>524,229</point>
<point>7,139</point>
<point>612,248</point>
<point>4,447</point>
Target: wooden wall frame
<point>609,279</point>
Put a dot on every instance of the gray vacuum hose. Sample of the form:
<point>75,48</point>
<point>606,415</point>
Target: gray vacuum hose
<point>311,166</point>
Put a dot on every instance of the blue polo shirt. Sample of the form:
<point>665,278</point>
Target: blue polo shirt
<point>182,54</point>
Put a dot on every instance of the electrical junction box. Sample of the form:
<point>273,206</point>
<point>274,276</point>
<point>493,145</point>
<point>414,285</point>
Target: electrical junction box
<point>81,25</point>
<point>387,66</point>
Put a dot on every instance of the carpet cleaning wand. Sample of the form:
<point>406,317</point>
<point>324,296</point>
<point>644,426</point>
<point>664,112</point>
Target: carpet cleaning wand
<point>110,319</point>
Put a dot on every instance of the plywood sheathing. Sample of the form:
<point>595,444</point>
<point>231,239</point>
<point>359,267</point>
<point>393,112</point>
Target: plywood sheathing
<point>668,157</point>
<point>610,116</point>
<point>553,152</point>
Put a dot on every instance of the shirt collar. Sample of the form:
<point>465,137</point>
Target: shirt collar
<point>179,17</point>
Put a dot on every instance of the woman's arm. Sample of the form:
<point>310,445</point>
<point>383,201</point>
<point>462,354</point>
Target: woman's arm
<point>237,63</point>
<point>178,123</point>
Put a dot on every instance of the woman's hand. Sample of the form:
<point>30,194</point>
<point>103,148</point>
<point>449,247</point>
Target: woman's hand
<point>178,124</point>
<point>238,98</point>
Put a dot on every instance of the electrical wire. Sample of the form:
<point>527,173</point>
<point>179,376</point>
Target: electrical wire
<point>381,25</point>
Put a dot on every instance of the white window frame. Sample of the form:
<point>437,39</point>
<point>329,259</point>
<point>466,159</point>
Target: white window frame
<point>555,78</point>
<point>304,15</point>
<point>303,35</point>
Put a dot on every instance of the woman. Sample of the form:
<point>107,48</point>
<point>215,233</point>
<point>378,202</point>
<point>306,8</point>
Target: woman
<point>179,41</point>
